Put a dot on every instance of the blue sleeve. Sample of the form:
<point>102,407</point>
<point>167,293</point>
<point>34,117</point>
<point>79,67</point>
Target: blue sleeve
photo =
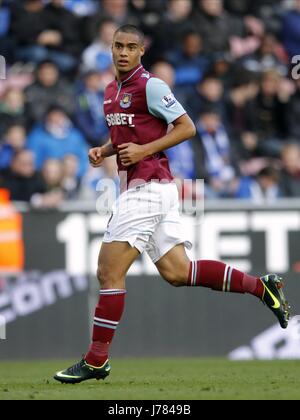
<point>161,101</point>
<point>82,154</point>
<point>35,144</point>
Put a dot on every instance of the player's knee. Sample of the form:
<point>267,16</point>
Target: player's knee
<point>176,279</point>
<point>106,278</point>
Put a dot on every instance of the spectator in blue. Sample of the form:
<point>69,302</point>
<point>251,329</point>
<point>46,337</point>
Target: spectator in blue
<point>89,116</point>
<point>13,141</point>
<point>263,188</point>
<point>98,56</point>
<point>6,42</point>
<point>189,61</point>
<point>217,154</point>
<point>81,7</point>
<point>182,168</point>
<point>4,18</point>
<point>57,138</point>
<point>291,30</point>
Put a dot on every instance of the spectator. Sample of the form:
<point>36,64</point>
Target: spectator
<point>48,89</point>
<point>263,188</point>
<point>290,173</point>
<point>6,42</point>
<point>98,56</point>
<point>14,140</point>
<point>28,24</point>
<point>56,138</point>
<point>66,50</point>
<point>52,173</point>
<point>81,7</point>
<point>241,113</point>
<point>173,25</point>
<point>208,92</point>
<point>217,154</point>
<point>293,114</point>
<point>148,13</point>
<point>182,168</point>
<point>223,69</point>
<point>270,124</point>
<point>21,179</point>
<point>116,10</point>
<point>189,62</point>
<point>12,107</point>
<point>164,71</point>
<point>215,25</point>
<point>57,188</point>
<point>53,195</point>
<point>291,30</point>
<point>70,182</point>
<point>4,19</point>
<point>90,117</point>
<point>46,33</point>
<point>266,58</point>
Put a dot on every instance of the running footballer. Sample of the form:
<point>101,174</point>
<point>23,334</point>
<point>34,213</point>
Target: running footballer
<point>139,108</point>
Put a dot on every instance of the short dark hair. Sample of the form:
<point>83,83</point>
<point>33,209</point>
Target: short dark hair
<point>131,29</point>
<point>46,62</point>
<point>269,172</point>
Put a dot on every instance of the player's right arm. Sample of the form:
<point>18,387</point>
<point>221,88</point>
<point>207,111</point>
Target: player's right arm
<point>98,154</point>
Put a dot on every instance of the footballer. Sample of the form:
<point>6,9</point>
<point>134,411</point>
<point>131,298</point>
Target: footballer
<point>139,109</point>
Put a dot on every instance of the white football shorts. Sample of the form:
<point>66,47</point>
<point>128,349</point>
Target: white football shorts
<point>147,217</point>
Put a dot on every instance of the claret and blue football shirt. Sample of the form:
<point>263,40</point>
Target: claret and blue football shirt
<point>139,110</point>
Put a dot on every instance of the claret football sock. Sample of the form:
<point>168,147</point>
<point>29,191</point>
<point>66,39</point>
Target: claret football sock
<point>107,317</point>
<point>221,277</point>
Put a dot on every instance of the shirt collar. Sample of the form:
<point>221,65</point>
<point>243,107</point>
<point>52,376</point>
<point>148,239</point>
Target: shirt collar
<point>132,73</point>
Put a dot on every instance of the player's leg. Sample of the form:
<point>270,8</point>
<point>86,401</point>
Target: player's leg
<point>115,259</point>
<point>174,267</point>
<point>178,270</point>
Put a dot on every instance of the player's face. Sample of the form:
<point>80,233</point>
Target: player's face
<point>127,51</point>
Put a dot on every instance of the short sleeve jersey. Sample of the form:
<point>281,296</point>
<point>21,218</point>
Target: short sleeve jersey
<point>139,110</point>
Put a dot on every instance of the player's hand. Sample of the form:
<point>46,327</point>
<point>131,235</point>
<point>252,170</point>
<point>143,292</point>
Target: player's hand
<point>95,157</point>
<point>131,153</point>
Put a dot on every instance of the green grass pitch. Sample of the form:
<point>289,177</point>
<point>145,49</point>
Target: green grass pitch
<point>157,379</point>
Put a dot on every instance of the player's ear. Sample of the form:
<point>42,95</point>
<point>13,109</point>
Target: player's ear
<point>143,50</point>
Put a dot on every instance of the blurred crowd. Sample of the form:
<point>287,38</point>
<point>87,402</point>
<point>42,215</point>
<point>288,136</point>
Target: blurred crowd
<point>231,63</point>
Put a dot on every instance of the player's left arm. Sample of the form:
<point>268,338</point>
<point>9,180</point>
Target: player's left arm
<point>162,104</point>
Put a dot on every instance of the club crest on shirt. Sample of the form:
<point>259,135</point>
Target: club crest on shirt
<point>169,100</point>
<point>126,101</point>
